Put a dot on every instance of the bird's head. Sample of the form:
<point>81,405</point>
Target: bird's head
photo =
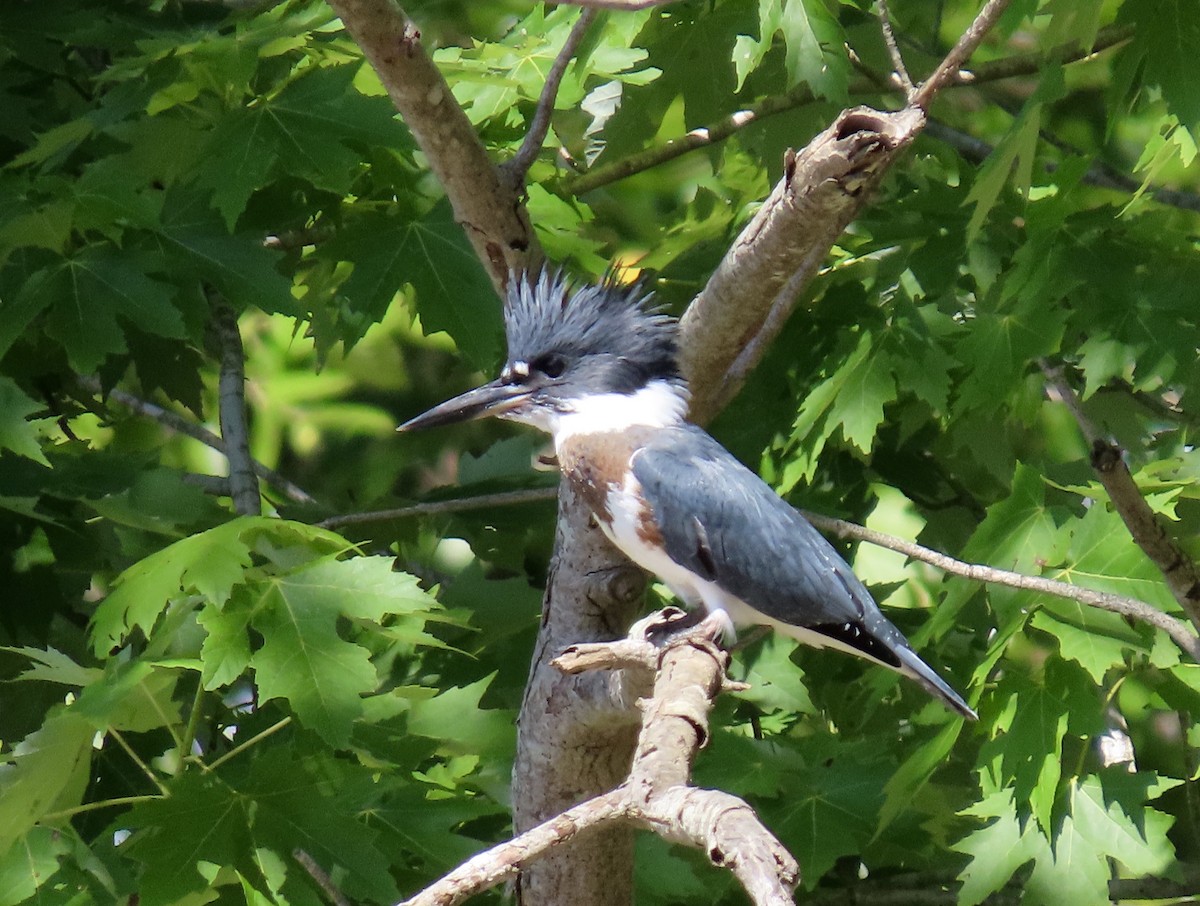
<point>574,352</point>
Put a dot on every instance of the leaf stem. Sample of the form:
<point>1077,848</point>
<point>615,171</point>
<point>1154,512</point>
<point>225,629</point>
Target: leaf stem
<point>189,732</point>
<point>253,740</point>
<point>145,768</point>
<point>96,806</point>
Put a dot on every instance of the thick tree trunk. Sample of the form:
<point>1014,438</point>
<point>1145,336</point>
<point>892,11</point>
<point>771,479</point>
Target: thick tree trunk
<point>577,733</point>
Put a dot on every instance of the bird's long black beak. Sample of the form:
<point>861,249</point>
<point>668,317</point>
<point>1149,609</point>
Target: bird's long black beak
<point>494,398</point>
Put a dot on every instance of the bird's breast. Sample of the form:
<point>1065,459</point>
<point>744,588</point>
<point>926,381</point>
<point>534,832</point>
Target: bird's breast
<point>597,465</point>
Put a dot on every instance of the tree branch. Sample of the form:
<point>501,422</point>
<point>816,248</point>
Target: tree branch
<point>889,39</point>
<point>823,188</point>
<point>437,507</point>
<point>628,6</point>
<point>959,54</point>
<point>686,675</point>
<point>489,868</point>
<point>243,483</point>
<point>515,170</point>
<point>1107,458</point>
<point>1126,607</point>
<point>180,425</point>
<point>489,210</point>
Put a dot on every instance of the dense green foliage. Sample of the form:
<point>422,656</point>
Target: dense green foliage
<point>191,696</point>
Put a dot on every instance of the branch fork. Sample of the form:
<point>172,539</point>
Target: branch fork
<point>686,671</point>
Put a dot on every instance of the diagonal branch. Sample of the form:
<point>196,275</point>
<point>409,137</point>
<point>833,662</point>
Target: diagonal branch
<point>889,39</point>
<point>959,54</point>
<point>719,130</point>
<point>178,424</point>
<point>515,170</point>
<point>500,863</point>
<point>1119,604</point>
<point>823,188</point>
<point>1108,461</point>
<point>489,210</point>
<point>437,507</point>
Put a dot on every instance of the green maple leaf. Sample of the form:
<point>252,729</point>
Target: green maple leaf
<point>16,433</point>
<point>30,862</point>
<point>302,132</point>
<point>304,660</point>
<point>225,652</point>
<point>456,718</point>
<point>831,808</point>
<point>1167,35</point>
<point>209,564</point>
<point>997,850</point>
<point>452,291</point>
<point>48,769</point>
<point>277,807</point>
<point>192,241</point>
<point>203,820</point>
<point>89,296</point>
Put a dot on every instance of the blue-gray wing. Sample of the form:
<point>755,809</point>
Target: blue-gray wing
<point>721,521</point>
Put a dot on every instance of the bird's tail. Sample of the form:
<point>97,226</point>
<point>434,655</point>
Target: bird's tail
<point>916,669</point>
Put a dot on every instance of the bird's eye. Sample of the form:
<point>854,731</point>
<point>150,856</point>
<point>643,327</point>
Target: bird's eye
<point>552,364</point>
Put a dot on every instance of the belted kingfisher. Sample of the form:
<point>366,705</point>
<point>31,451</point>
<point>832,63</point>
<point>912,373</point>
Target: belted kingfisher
<point>597,369</point>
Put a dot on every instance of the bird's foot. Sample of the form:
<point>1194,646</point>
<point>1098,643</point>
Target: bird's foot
<point>673,622</point>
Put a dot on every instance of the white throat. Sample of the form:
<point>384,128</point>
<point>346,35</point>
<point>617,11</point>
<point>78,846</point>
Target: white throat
<point>659,404</point>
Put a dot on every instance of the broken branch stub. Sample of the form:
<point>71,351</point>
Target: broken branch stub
<point>823,188</point>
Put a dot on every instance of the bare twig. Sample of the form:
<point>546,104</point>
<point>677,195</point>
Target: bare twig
<point>624,5</point>
<point>1127,607</point>
<point>489,868</point>
<point>718,131</point>
<point>889,39</point>
<point>436,507</point>
<point>320,877</point>
<point>516,169</point>
<point>243,483</point>
<point>959,54</point>
<point>697,138</point>
<point>1029,63</point>
<point>1108,461</point>
<point>178,424</point>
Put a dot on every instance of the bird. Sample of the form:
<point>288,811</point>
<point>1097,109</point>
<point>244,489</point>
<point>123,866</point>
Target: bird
<point>596,366</point>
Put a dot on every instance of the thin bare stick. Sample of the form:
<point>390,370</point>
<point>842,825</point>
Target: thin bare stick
<point>176,423</point>
<point>489,868</point>
<point>625,5</point>
<point>1126,607</point>
<point>320,877</point>
<point>889,39</point>
<point>243,483</point>
<point>458,505</point>
<point>1029,63</point>
<point>719,130</point>
<point>1146,530</point>
<point>959,54</point>
<point>516,169</point>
